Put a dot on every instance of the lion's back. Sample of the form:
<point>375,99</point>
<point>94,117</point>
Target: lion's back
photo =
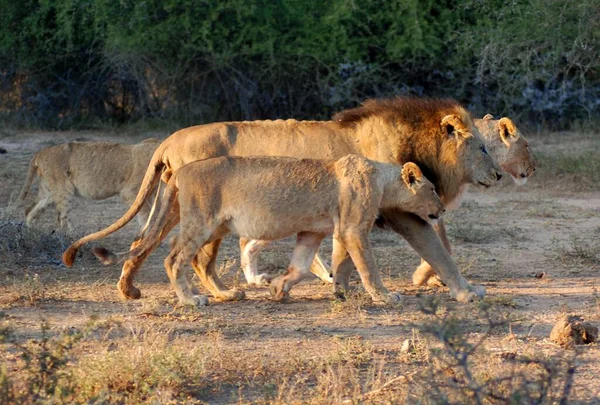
<point>97,170</point>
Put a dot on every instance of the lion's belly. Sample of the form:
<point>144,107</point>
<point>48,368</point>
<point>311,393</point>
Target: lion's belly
<point>269,227</point>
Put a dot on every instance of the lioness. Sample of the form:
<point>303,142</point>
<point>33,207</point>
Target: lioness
<point>271,198</point>
<point>91,170</point>
<point>438,135</point>
<point>506,143</point>
<point>512,152</point>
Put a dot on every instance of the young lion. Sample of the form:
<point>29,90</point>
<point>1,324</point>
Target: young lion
<point>271,198</point>
<point>91,170</point>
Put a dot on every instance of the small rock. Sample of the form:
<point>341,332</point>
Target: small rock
<point>540,274</point>
<point>2,151</point>
<point>572,330</point>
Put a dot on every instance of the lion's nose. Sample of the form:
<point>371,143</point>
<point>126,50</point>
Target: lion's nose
<point>498,175</point>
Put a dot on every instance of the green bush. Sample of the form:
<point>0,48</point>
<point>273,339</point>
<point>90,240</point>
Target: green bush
<point>70,63</point>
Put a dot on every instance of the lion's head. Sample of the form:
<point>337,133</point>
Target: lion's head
<point>466,147</point>
<point>509,146</point>
<point>426,203</point>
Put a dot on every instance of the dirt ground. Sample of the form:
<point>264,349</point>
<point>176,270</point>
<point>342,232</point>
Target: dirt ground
<point>536,248</point>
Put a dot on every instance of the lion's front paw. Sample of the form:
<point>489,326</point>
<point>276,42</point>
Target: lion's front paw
<point>195,301</point>
<point>472,293</point>
<point>260,280</point>
<point>276,289</point>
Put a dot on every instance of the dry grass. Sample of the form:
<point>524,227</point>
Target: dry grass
<point>20,244</point>
<point>466,232</point>
<point>581,251</point>
<point>581,167</point>
<point>107,362</point>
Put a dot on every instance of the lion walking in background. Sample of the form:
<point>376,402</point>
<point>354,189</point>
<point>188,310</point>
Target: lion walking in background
<point>90,170</point>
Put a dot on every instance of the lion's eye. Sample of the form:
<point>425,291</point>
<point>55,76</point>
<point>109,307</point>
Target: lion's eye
<point>483,149</point>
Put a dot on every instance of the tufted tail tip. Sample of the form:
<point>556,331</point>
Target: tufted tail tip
<point>68,256</point>
<point>105,256</point>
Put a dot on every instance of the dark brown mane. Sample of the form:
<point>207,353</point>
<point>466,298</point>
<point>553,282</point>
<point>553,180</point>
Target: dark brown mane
<point>413,111</point>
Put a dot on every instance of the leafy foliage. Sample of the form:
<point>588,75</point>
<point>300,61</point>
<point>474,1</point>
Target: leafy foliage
<point>81,62</point>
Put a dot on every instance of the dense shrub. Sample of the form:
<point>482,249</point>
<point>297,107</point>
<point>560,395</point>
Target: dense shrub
<point>81,62</point>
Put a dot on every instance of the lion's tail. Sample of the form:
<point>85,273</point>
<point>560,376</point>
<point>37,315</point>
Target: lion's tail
<point>151,179</point>
<point>30,177</point>
<point>148,241</point>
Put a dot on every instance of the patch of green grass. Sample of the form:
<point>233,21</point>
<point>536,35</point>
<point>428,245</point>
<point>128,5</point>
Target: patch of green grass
<point>585,167</point>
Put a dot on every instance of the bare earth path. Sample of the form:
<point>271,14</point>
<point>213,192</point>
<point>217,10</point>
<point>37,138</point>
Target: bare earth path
<point>535,248</point>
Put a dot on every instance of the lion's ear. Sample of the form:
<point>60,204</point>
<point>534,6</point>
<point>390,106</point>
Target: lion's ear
<point>451,123</point>
<point>508,131</point>
<point>411,175</point>
<point>488,117</point>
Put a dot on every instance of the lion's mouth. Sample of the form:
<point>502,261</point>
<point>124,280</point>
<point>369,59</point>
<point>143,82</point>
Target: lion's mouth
<point>431,216</point>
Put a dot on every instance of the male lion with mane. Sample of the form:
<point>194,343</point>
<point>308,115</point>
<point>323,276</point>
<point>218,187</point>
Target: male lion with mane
<point>270,198</point>
<point>437,135</point>
<point>90,170</point>
<point>512,152</point>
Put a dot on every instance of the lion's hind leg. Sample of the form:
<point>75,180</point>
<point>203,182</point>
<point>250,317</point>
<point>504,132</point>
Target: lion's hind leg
<point>175,264</point>
<point>44,199</point>
<point>204,264</point>
<point>132,265</point>
<point>320,269</point>
<point>249,251</point>
<point>307,245</point>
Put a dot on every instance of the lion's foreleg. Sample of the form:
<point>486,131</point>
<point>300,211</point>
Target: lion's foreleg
<point>359,248</point>
<point>423,238</point>
<point>425,274</point>
<point>204,265</point>
<point>341,268</point>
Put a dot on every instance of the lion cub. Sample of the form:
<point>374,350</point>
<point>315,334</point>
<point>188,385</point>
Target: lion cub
<point>271,198</point>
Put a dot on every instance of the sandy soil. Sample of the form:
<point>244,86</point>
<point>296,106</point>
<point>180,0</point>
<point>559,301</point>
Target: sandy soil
<point>535,248</point>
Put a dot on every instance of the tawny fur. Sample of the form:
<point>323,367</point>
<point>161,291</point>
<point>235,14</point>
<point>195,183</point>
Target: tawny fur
<point>90,170</point>
<point>509,146</point>
<point>271,198</point>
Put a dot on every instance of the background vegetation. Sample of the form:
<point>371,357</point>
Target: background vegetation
<point>82,63</point>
